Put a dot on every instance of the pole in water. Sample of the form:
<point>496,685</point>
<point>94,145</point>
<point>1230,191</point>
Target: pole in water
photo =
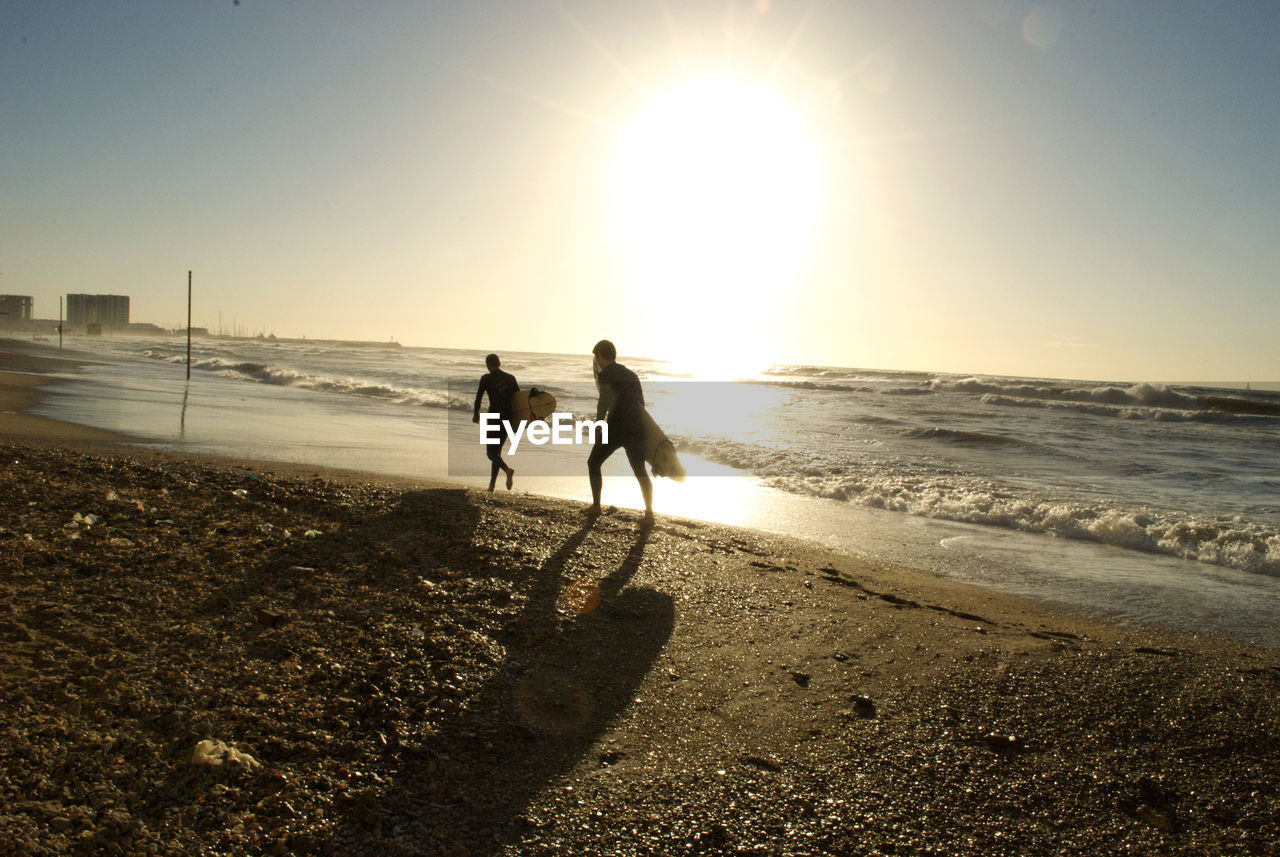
<point>188,325</point>
<point>59,322</point>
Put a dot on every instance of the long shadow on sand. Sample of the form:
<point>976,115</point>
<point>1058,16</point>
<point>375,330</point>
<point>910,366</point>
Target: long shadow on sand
<point>574,658</point>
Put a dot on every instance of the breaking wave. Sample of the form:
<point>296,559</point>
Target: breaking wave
<point>265,373</point>
<point>1232,542</point>
<point>1144,401</point>
<point>1145,395</point>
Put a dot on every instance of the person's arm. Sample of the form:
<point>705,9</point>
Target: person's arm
<point>608,398</point>
<point>475,414</point>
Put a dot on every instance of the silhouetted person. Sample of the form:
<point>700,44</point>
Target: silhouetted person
<point>501,387</point>
<point>622,401</point>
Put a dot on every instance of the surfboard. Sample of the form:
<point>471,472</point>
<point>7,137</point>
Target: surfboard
<point>533,404</point>
<point>660,452</point>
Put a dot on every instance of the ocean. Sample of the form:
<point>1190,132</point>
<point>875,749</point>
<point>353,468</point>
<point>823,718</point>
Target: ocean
<point>1131,500</point>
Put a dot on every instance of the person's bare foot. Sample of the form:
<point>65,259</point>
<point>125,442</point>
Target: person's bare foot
<point>511,477</point>
<point>592,511</point>
<point>648,520</point>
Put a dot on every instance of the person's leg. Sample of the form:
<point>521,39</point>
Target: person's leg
<point>494,451</point>
<point>599,454</point>
<point>510,471</point>
<point>495,464</point>
<point>635,456</point>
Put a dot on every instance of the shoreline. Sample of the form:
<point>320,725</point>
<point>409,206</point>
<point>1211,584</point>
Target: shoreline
<point>22,374</point>
<point>1078,575</point>
<point>423,668</point>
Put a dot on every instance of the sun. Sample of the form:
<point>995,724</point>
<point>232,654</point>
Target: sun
<point>716,194</point>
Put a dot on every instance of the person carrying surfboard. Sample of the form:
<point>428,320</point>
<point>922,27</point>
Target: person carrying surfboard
<point>622,402</point>
<point>501,388</point>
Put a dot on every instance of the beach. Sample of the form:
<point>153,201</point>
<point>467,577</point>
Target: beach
<point>217,656</point>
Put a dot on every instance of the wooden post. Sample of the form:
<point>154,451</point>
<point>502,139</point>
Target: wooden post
<point>188,325</point>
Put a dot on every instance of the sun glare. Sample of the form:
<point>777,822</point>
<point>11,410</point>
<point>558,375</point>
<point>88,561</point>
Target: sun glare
<point>716,189</point>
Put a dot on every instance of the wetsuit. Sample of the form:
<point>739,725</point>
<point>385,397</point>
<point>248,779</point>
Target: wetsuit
<point>622,400</point>
<point>501,388</point>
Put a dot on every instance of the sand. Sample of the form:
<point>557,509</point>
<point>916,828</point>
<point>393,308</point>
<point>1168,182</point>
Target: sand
<point>396,667</point>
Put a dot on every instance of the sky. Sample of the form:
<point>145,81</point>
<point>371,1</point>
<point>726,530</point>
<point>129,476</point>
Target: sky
<point>1056,189</point>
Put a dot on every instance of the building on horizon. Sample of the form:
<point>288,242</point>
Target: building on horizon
<point>101,310</point>
<point>16,308</point>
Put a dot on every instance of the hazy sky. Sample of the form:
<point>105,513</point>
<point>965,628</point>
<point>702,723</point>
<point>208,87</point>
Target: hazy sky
<point>1069,189</point>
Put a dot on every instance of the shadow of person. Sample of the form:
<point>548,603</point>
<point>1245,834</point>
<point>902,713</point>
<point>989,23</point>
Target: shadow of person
<point>630,565</point>
<point>574,659</point>
<point>587,674</point>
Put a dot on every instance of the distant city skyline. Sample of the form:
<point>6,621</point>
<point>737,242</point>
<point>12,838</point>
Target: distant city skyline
<point>997,186</point>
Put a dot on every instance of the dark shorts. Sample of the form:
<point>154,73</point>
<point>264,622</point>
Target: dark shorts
<point>628,439</point>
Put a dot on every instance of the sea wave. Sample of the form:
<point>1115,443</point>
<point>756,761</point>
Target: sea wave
<point>1230,542</point>
<point>1144,394</point>
<point>1234,405</point>
<point>1145,401</point>
<point>279,376</point>
<point>1129,411</point>
<point>955,436</point>
<point>831,372</point>
<point>822,386</point>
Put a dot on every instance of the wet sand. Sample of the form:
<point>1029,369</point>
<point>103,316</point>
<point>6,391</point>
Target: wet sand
<point>21,373</point>
<point>402,667</point>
